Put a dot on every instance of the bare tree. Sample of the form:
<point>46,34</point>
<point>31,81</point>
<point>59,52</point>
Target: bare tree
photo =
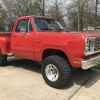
<point>81,14</point>
<point>55,10</point>
<point>23,7</point>
<point>3,16</point>
<point>11,10</point>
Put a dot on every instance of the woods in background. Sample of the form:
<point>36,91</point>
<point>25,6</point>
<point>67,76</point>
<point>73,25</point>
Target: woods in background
<point>77,14</point>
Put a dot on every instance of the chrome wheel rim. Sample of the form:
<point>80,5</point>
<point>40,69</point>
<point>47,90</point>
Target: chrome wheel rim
<point>52,72</point>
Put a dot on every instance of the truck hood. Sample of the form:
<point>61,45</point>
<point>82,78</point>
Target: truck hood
<point>85,34</point>
<point>91,34</point>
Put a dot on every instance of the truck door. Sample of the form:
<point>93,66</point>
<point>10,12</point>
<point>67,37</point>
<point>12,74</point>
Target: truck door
<point>22,39</point>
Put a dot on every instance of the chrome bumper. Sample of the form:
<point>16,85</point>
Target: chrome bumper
<point>86,64</point>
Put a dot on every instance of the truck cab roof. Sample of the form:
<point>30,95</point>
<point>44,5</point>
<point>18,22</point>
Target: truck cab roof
<point>32,16</point>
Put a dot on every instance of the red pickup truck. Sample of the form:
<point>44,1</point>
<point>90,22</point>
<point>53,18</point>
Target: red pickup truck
<point>45,40</point>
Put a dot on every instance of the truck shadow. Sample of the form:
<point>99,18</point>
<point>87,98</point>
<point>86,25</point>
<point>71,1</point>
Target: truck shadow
<point>26,64</point>
<point>86,78</point>
<point>81,78</point>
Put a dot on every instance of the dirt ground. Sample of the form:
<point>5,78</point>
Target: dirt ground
<point>22,80</point>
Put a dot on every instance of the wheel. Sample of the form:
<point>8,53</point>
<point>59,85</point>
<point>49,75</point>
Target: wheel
<point>56,71</point>
<point>3,60</point>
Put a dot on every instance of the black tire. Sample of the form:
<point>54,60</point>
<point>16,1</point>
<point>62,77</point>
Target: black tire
<point>64,71</point>
<point>3,60</point>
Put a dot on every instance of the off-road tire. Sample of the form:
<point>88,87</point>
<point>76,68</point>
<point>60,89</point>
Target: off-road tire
<point>64,71</point>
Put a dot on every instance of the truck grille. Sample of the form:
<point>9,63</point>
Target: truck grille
<point>97,44</point>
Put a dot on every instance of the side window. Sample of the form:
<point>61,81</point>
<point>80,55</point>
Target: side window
<point>41,24</point>
<point>24,26</point>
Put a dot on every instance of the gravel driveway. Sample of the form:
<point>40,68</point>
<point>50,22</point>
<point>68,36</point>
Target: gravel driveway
<point>22,80</point>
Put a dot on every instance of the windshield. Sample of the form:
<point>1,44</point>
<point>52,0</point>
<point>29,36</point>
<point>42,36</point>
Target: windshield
<point>48,25</point>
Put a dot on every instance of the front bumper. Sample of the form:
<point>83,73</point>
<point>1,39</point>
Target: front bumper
<point>91,62</point>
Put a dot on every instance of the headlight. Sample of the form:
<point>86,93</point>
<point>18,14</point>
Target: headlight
<point>90,45</point>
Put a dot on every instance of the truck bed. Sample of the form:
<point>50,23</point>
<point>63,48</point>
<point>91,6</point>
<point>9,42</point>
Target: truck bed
<point>5,42</point>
